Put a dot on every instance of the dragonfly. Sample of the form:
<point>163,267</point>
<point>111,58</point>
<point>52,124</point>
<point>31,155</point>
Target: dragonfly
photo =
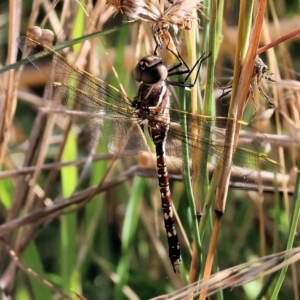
<point>118,121</point>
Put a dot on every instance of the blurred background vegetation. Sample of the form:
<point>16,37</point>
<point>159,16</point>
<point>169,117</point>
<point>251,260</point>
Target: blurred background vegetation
<point>111,243</point>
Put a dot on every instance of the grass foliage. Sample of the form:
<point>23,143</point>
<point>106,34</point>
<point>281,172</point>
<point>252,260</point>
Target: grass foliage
<point>96,229</point>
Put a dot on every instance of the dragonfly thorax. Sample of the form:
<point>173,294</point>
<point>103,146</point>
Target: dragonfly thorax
<point>150,70</point>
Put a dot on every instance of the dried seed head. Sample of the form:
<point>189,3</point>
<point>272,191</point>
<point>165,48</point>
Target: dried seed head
<point>163,14</point>
<point>129,8</point>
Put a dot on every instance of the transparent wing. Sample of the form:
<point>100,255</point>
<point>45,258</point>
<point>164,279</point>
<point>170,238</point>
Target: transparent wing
<point>89,102</point>
<point>206,135</point>
<point>93,104</point>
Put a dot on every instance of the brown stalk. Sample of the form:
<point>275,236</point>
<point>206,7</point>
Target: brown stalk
<point>237,275</point>
<point>8,103</point>
<point>48,213</point>
<point>9,97</point>
<point>232,134</point>
<point>30,272</point>
<point>278,41</point>
<point>26,188</point>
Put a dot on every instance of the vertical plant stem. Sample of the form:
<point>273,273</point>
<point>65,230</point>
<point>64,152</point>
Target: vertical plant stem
<point>188,180</point>
<point>208,110</point>
<point>129,229</point>
<point>291,237</point>
<point>195,94</point>
<point>69,222</point>
<point>208,98</point>
<point>237,105</point>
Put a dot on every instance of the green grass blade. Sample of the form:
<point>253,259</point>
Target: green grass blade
<point>31,258</point>
<point>68,222</point>
<point>6,191</point>
<point>292,235</point>
<point>129,229</point>
<point>188,181</point>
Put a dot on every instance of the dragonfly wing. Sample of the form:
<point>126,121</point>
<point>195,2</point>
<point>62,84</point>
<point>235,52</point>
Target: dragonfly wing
<point>122,136</point>
<point>92,104</point>
<point>205,135</point>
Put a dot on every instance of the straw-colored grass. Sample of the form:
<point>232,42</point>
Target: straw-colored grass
<point>82,222</point>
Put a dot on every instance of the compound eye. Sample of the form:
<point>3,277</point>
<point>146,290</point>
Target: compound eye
<point>150,70</point>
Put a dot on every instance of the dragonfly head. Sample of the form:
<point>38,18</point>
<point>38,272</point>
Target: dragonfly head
<point>150,70</point>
